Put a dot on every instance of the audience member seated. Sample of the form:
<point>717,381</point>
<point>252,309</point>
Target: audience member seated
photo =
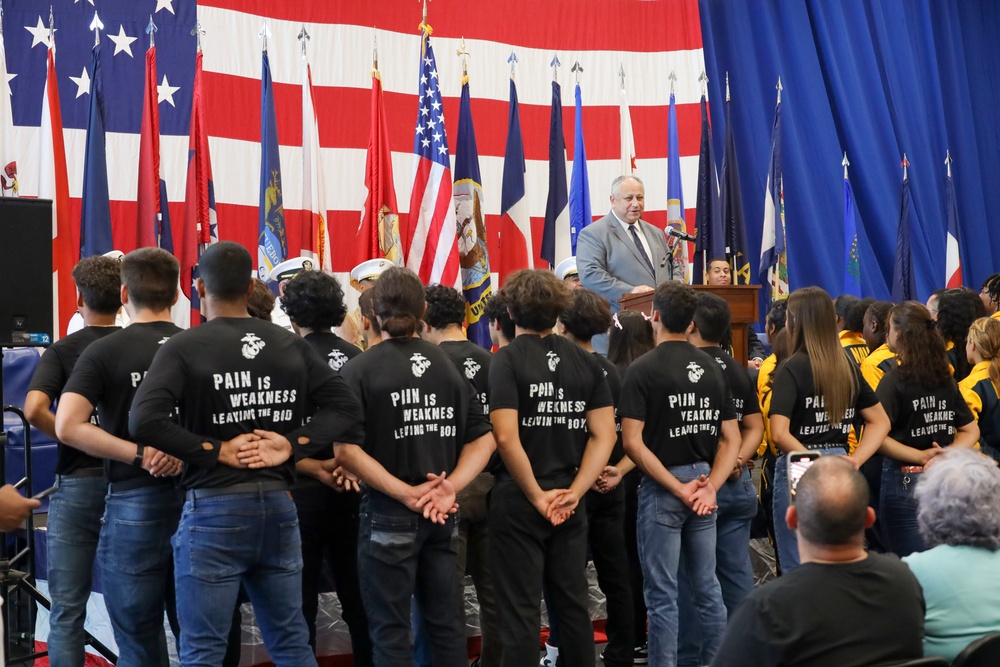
<point>959,518</point>
<point>842,607</point>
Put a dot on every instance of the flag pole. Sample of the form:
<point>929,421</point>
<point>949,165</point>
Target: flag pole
<point>555,65</point>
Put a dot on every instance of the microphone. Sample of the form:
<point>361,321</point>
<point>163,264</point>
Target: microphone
<point>676,233</point>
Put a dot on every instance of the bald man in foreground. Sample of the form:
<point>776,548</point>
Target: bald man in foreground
<point>844,607</point>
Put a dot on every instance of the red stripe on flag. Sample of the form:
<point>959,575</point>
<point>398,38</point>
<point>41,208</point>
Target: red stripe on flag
<point>148,195</point>
<point>676,22</point>
<point>649,123</point>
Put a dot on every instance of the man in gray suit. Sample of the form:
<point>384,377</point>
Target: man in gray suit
<point>620,253</point>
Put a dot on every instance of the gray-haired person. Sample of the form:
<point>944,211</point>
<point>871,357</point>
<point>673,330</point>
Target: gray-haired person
<point>958,513</point>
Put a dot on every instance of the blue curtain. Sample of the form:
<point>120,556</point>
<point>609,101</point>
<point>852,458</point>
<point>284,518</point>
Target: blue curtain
<point>875,78</point>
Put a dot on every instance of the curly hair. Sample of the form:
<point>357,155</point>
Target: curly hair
<point>776,315</point>
<point>630,338</point>
<point>985,335</point>
<point>958,501</point>
<point>536,299</point>
<point>99,281</point>
<point>958,308</point>
<point>314,300</point>
<point>445,306</point>
<point>261,301</point>
<point>919,346</point>
<point>991,286</point>
<point>496,311</point>
<point>588,314</point>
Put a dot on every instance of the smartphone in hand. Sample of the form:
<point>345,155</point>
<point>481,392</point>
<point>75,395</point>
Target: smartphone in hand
<point>798,463</point>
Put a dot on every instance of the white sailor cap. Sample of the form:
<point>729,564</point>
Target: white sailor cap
<point>368,270</point>
<point>115,254</point>
<point>291,268</point>
<point>566,268</point>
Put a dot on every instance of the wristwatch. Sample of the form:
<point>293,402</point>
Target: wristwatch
<point>140,449</point>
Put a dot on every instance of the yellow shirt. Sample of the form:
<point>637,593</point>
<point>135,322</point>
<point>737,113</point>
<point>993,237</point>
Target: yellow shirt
<point>996,315</point>
<point>764,392</point>
<point>876,364</point>
<point>855,344</point>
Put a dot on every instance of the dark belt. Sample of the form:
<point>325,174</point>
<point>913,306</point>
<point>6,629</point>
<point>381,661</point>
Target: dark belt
<point>245,487</point>
<point>84,472</point>
<point>136,483</point>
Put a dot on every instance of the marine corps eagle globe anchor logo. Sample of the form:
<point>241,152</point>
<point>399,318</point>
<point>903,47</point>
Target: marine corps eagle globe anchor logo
<point>553,361</point>
<point>420,364</point>
<point>471,368</point>
<point>695,372</point>
<point>252,345</point>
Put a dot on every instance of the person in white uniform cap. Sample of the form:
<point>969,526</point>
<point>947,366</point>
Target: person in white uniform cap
<point>566,272</point>
<point>281,274</point>
<point>363,277</point>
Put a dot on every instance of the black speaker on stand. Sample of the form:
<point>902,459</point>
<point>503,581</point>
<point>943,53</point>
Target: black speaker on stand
<point>25,321</point>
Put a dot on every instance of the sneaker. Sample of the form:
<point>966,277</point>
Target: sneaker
<point>640,656</point>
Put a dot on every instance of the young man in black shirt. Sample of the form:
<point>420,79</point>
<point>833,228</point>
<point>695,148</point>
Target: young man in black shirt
<point>737,498</point>
<point>142,510</point>
<point>443,321</point>
<point>426,438</point>
<point>74,520</point>
<point>843,607</point>
<point>679,427</point>
<point>588,315</point>
<point>239,380</point>
<point>328,511</point>
<point>555,428</point>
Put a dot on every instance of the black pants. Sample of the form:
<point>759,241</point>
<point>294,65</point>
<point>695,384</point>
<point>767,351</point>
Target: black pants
<point>528,552</point>
<point>631,484</point>
<point>328,523</point>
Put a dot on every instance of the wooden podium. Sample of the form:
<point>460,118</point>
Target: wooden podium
<point>743,308</point>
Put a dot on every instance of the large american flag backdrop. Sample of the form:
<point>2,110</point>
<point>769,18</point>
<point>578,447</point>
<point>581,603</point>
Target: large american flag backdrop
<point>647,39</point>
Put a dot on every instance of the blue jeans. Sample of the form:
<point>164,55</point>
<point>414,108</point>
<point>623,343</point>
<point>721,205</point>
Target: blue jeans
<point>402,555</point>
<point>737,502</point>
<point>225,540</point>
<point>138,567</point>
<point>899,509</point>
<point>668,528</point>
<point>74,528</point>
<point>786,541</point>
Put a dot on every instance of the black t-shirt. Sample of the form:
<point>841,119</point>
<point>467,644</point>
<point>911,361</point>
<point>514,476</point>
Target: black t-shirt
<point>333,348</point>
<point>552,384</point>
<point>919,416</point>
<point>419,411</point>
<point>614,378</point>
<point>474,363</point>
<point>794,396</point>
<point>680,393</point>
<point>741,387</point>
<point>50,377</point>
<point>869,612</point>
<point>108,374</point>
<point>230,376</point>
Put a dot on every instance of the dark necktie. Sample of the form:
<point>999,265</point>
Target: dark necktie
<point>638,246</point>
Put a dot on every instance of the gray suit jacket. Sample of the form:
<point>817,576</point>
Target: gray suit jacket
<point>610,264</point>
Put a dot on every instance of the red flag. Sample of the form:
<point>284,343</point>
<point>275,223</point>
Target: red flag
<point>379,229</point>
<point>199,227</point>
<point>148,195</point>
<point>53,184</point>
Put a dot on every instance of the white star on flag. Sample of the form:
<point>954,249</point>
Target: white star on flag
<point>39,34</point>
<point>425,142</point>
<point>90,1</point>
<point>9,77</point>
<point>82,83</point>
<point>164,4</point>
<point>122,42</point>
<point>165,92</point>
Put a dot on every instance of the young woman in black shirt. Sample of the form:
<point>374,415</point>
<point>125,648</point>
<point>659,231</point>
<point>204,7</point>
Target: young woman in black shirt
<point>816,395</point>
<point>927,413</point>
<point>426,437</point>
<point>328,512</point>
